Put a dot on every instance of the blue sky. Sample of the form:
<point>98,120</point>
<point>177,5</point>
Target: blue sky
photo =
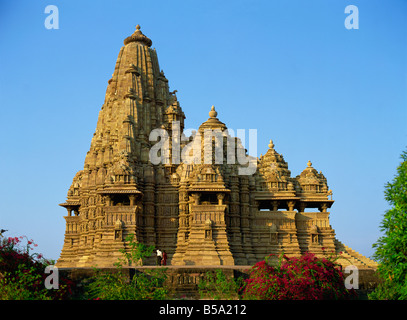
<point>289,69</point>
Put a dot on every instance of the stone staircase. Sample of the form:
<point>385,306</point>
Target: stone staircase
<point>352,257</point>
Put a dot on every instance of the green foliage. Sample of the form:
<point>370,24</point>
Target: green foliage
<point>217,286</point>
<point>137,254</point>
<point>20,284</point>
<point>391,248</point>
<point>145,285</point>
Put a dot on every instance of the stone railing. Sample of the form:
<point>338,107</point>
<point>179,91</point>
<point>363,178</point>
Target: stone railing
<point>215,213</point>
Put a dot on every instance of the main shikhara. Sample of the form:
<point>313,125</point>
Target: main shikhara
<point>203,214</point>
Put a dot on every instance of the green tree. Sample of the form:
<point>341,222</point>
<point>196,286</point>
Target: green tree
<point>391,248</point>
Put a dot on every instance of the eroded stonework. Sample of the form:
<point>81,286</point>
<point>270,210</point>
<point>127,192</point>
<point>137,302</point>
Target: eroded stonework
<point>200,213</point>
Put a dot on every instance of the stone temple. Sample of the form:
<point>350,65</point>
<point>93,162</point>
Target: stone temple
<point>202,213</point>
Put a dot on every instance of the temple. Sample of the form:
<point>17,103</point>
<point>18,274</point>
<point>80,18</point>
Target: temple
<point>208,211</point>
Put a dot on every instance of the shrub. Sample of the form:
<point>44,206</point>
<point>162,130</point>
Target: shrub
<point>22,275</point>
<point>303,278</point>
<point>146,285</point>
<point>216,285</point>
<point>136,255</point>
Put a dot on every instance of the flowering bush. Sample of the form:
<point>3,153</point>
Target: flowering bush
<point>303,278</point>
<point>22,273</point>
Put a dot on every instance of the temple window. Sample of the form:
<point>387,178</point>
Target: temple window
<point>120,200</point>
<point>209,198</point>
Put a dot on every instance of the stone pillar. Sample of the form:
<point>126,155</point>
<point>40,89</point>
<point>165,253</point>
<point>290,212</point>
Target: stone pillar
<point>245,220</point>
<point>108,200</point>
<point>132,199</point>
<point>183,226</point>
<point>235,222</point>
<point>323,207</point>
<point>275,205</point>
<point>220,196</point>
<point>291,205</point>
<point>149,207</point>
<point>196,197</point>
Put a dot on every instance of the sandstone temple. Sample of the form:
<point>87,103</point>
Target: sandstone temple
<point>202,213</point>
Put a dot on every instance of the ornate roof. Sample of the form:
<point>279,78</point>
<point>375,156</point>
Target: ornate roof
<point>207,177</point>
<point>273,166</point>
<point>312,181</point>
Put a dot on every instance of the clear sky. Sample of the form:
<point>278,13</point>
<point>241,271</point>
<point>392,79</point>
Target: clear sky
<point>289,69</point>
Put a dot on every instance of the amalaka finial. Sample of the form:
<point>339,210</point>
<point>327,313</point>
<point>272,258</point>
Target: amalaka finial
<point>309,164</point>
<point>213,112</point>
<point>138,37</point>
<point>271,144</point>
